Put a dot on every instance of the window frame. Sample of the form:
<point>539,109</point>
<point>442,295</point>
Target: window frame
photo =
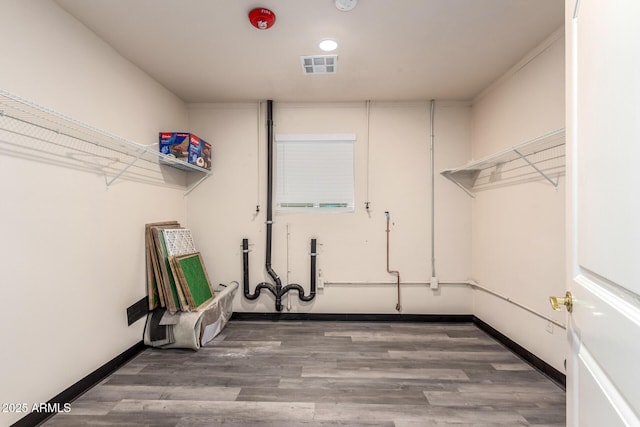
<point>344,201</point>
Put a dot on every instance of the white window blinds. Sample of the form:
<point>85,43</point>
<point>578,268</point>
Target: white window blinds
<point>315,173</point>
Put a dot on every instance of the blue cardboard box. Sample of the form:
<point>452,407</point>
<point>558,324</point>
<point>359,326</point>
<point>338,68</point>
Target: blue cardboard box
<point>187,147</point>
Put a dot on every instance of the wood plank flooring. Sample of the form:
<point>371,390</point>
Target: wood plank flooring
<point>326,374</point>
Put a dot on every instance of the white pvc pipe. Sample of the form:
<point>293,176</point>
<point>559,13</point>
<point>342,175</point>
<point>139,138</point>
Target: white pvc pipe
<point>433,195</point>
<point>367,201</point>
<point>470,283</point>
<point>258,143</point>
<point>522,306</point>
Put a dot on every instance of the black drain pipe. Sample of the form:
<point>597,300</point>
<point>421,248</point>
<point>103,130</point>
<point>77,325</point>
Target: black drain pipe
<point>267,263</point>
<point>277,290</point>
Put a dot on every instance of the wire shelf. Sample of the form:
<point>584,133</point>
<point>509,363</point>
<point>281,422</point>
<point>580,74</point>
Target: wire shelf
<point>25,124</point>
<point>539,158</point>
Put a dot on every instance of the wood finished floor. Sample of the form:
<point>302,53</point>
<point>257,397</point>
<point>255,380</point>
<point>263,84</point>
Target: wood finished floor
<point>322,374</point>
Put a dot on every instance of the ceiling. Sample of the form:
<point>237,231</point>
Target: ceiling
<point>207,51</point>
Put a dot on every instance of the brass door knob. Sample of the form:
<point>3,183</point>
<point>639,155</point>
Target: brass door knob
<point>557,302</point>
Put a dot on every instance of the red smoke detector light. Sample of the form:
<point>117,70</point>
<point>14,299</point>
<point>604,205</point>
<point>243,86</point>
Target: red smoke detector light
<point>262,18</point>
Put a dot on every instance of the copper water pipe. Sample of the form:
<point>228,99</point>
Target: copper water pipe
<point>397,273</point>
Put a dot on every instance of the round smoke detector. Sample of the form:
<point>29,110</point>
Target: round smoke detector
<point>262,18</point>
<point>346,5</point>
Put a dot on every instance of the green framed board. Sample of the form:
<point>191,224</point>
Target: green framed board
<point>193,278</point>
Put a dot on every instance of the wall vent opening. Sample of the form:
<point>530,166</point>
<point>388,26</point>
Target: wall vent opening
<point>319,64</point>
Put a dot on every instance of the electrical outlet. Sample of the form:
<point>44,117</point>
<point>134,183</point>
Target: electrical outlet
<point>320,281</point>
<point>549,327</point>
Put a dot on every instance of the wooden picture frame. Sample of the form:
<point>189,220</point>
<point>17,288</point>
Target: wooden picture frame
<point>193,278</point>
<point>155,291</point>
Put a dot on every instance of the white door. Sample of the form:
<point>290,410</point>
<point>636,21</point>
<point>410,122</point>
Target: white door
<point>603,370</point>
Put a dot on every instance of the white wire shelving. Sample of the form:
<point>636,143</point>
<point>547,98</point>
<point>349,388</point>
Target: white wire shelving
<point>26,127</point>
<point>539,158</point>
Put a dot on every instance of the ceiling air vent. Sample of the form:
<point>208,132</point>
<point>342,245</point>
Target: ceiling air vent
<point>319,64</point>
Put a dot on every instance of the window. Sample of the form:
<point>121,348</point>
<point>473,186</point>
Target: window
<point>315,173</point>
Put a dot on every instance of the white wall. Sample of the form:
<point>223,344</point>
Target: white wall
<point>74,257</point>
<point>519,231</point>
<point>352,248</point>
<point>73,252</point>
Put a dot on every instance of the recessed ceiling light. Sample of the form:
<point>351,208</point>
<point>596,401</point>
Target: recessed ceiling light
<point>346,5</point>
<point>328,45</point>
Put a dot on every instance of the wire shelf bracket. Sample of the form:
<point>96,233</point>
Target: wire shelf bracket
<point>541,157</point>
<point>27,121</point>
